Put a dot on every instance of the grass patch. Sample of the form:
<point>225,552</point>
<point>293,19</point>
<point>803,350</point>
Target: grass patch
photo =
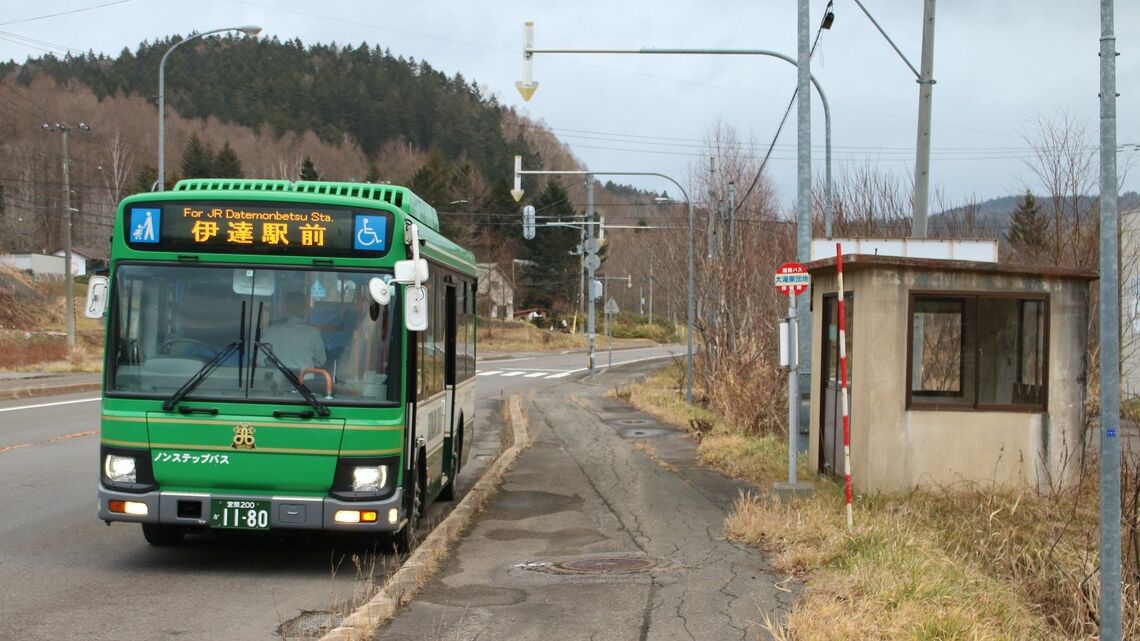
<point>499,336</point>
<point>963,562</point>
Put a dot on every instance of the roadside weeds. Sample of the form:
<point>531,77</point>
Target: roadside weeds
<point>961,562</point>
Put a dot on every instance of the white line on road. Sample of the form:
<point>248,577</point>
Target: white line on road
<point>516,373</point>
<point>596,367</point>
<point>491,373</point>
<point>536,374</point>
<point>37,406</point>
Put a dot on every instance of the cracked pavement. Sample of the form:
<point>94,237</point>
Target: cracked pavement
<point>584,494</point>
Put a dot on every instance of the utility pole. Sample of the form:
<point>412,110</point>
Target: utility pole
<point>591,264</point>
<point>922,147</point>
<point>68,276</point>
<point>803,201</point>
<point>1110,585</point>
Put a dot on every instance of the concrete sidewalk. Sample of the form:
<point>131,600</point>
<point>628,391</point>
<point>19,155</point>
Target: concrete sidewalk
<point>30,384</point>
<point>590,538</point>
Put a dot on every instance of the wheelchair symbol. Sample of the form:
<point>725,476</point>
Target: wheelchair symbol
<point>366,236</point>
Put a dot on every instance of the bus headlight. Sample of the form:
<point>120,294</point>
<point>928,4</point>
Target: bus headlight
<point>369,478</point>
<point>119,469</point>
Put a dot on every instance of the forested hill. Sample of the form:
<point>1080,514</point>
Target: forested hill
<point>363,93</point>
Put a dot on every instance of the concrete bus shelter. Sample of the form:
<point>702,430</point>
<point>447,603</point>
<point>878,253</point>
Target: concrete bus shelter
<point>958,371</point>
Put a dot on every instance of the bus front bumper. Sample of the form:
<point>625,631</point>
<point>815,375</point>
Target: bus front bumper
<point>193,510</point>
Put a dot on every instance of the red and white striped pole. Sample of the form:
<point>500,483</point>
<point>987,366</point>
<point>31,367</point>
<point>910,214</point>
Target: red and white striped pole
<point>843,386</point>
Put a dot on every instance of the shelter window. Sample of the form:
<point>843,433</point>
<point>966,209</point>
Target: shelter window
<point>977,352</point>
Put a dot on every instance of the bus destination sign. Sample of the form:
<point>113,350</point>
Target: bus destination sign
<point>258,228</point>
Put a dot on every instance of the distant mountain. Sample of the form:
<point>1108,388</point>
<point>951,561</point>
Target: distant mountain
<point>991,217</point>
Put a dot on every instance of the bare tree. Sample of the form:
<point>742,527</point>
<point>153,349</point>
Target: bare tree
<point>1065,165</point>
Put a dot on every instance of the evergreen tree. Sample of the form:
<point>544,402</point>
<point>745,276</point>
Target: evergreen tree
<point>309,170</point>
<point>145,178</point>
<point>373,175</point>
<point>227,164</point>
<point>1028,229</point>
<point>197,159</point>
<point>552,277</point>
<point>432,181</point>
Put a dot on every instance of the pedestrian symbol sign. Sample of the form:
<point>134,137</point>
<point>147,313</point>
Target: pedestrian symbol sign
<point>145,224</point>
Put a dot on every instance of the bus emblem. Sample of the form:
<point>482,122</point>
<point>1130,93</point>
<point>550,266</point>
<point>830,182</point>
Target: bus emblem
<point>243,437</point>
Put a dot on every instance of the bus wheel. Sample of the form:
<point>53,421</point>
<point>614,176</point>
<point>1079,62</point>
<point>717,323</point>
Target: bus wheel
<point>159,534</point>
<point>448,491</point>
<point>405,539</point>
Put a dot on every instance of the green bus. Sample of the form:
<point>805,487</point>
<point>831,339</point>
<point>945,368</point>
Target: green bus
<point>283,356</point>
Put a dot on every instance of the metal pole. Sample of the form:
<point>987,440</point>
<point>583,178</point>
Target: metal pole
<point>793,391</point>
<point>67,275</point>
<point>922,148</point>
<point>1110,590</point>
<point>591,249</point>
<point>651,290</point>
<point>590,210</point>
<point>581,274</point>
<point>249,30</point>
<point>803,205</point>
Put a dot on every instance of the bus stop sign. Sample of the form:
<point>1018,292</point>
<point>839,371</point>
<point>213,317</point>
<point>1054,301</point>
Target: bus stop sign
<point>792,279</point>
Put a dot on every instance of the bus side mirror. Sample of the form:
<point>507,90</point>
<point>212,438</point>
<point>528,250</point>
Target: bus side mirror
<point>409,272</point>
<point>96,297</point>
<point>379,291</point>
<point>415,308</point>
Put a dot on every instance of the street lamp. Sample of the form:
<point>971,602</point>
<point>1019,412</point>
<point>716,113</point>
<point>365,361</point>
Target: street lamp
<point>249,30</point>
<point>517,193</point>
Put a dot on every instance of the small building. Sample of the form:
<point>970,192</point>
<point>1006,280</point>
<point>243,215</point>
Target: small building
<point>40,266</point>
<point>1130,303</point>
<point>498,290</point>
<point>958,371</point>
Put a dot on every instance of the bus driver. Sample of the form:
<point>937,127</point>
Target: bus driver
<point>295,343</point>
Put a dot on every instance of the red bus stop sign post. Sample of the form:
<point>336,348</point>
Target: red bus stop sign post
<point>792,279</point>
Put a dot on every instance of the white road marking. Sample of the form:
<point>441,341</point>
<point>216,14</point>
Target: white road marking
<point>516,373</point>
<point>536,374</point>
<point>39,405</point>
<point>491,373</point>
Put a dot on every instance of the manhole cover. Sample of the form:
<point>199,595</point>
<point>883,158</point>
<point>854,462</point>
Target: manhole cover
<point>642,432</point>
<point>633,421</point>
<point>310,623</point>
<point>606,565</point>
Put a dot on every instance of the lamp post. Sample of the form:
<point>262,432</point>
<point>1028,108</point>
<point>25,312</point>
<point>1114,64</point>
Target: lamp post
<point>528,86</point>
<point>517,193</point>
<point>249,30</point>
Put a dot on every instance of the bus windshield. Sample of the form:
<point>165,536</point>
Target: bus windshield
<point>172,323</point>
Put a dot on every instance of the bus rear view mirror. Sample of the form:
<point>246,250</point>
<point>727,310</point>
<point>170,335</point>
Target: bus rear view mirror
<point>411,271</point>
<point>96,297</point>
<point>253,281</point>
<point>378,290</point>
<point>415,308</point>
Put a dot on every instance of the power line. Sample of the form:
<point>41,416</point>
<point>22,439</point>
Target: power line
<point>64,13</point>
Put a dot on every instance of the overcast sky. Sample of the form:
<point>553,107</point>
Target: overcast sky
<point>999,66</point>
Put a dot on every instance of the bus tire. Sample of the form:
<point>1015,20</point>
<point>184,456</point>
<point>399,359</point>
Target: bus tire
<point>448,491</point>
<point>405,540</point>
<point>160,534</point>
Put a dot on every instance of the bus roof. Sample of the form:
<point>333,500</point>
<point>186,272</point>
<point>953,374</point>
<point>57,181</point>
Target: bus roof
<point>400,197</point>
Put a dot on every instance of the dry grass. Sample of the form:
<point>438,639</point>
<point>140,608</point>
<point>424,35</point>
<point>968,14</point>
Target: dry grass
<point>48,351</point>
<point>962,562</point>
<point>496,336</point>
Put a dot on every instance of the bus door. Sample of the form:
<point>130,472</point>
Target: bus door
<point>449,357</point>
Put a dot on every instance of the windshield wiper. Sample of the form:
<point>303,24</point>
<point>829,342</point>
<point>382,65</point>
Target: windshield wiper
<point>322,409</point>
<point>200,375</point>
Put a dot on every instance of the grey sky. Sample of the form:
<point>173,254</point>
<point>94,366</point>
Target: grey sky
<point>998,65</point>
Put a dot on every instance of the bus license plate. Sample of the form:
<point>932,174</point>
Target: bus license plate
<point>239,515</point>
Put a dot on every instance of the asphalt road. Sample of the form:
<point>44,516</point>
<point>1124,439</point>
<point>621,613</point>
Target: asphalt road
<point>65,574</point>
